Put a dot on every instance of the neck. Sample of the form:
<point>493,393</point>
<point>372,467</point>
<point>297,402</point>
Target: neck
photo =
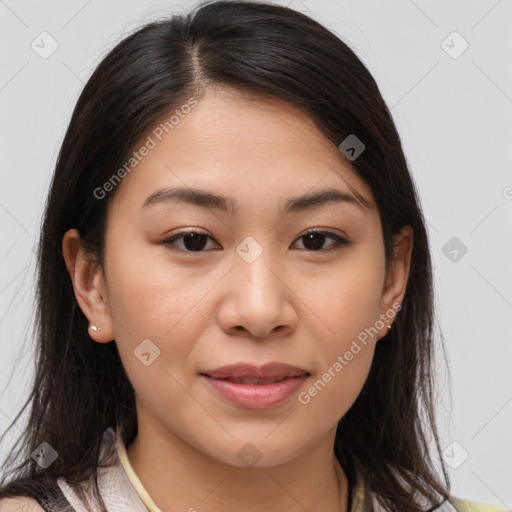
<point>179,477</point>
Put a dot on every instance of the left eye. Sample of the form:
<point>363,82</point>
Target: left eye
<point>195,241</point>
<point>315,239</point>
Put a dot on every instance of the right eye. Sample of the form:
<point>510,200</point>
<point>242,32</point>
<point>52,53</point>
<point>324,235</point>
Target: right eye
<point>193,241</point>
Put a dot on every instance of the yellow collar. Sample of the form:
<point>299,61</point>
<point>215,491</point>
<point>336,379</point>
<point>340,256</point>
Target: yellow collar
<point>358,498</point>
<point>134,479</point>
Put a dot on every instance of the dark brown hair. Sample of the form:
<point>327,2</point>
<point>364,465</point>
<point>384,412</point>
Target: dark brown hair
<point>268,50</point>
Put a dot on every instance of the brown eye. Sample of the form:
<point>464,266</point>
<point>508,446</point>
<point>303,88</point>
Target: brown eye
<point>193,241</point>
<point>315,240</point>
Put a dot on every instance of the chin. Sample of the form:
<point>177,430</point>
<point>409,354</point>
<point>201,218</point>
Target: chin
<point>257,451</point>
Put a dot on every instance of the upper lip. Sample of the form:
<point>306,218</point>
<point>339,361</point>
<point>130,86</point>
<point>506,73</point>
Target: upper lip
<point>250,371</point>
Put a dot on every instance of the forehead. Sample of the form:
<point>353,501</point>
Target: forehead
<point>243,145</point>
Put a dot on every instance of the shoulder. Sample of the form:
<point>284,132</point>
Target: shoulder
<point>20,504</point>
<point>472,506</point>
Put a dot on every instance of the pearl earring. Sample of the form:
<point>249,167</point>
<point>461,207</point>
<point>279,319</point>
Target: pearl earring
<point>95,328</point>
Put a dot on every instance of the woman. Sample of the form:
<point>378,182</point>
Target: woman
<point>199,348</point>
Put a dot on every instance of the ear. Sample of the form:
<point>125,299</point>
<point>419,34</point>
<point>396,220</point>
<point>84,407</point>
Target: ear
<point>396,278</point>
<point>89,286</point>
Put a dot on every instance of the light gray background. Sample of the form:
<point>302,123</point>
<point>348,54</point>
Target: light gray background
<point>453,113</point>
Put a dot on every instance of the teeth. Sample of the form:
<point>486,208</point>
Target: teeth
<point>255,381</point>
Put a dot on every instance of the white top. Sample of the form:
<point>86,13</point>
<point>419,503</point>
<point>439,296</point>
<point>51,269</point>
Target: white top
<point>122,491</point>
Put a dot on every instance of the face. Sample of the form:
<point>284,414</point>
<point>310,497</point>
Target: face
<point>250,286</point>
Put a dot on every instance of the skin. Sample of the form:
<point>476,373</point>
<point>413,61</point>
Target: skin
<point>207,309</point>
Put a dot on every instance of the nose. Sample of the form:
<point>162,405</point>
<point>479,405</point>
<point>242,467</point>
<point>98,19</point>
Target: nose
<point>257,300</point>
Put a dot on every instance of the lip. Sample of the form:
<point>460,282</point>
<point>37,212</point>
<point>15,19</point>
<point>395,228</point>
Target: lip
<point>256,395</point>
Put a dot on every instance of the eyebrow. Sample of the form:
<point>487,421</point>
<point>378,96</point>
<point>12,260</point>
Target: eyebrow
<point>225,204</point>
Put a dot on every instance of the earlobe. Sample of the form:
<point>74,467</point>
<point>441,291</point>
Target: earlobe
<point>88,285</point>
<point>398,274</point>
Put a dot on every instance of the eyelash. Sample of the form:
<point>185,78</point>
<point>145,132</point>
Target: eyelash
<point>340,241</point>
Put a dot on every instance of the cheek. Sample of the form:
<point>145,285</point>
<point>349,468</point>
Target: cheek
<point>350,302</point>
<point>153,301</point>
<point>150,295</point>
<point>349,306</point>
<point>335,386</point>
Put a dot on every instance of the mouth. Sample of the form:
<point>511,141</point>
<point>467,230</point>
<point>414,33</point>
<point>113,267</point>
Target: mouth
<point>253,382</point>
<point>250,387</point>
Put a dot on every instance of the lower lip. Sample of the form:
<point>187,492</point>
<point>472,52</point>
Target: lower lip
<point>256,396</point>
